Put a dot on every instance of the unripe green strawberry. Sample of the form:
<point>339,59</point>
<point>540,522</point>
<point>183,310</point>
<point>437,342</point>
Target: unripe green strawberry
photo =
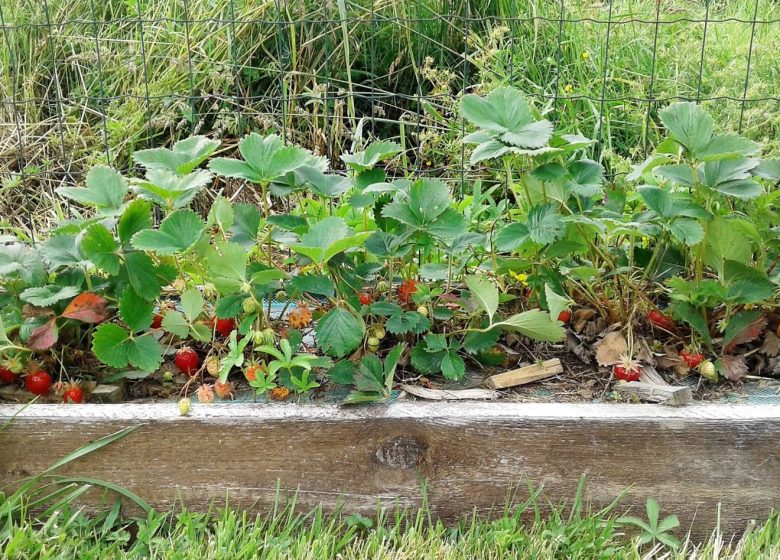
<point>422,310</point>
<point>382,286</point>
<point>269,336</point>
<point>184,406</point>
<point>373,344</point>
<point>15,365</point>
<point>167,376</point>
<point>707,370</point>
<point>249,305</point>
<point>377,331</point>
<point>281,295</point>
<point>256,337</point>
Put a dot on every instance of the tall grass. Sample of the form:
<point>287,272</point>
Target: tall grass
<point>85,81</point>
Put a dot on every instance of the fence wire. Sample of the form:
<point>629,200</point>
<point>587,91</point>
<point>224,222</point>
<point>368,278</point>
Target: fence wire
<point>88,81</point>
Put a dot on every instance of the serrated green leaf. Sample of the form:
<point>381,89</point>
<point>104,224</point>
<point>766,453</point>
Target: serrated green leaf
<point>544,224</point>
<point>105,189</point>
<point>99,246</point>
<point>221,213</point>
<point>192,304</point>
<point>452,366</point>
<point>45,296</point>
<point>143,275</point>
<point>555,302</point>
<point>144,353</point>
<point>185,156</point>
<point>175,323</point>
<point>477,341</point>
<point>512,236</point>
<point>136,217</point>
<point>136,312</point>
<point>686,312</point>
<point>407,322</point>
<point>339,332</point>
<point>109,344</point>
<point>535,324</point>
<point>485,292</point>
<point>586,177</point>
<point>426,362</point>
<point>686,230</point>
<point>327,238</point>
<point>689,124</point>
<point>227,267</point>
<point>178,232</point>
<point>317,284</point>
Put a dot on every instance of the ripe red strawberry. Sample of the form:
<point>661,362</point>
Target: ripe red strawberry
<point>157,321</point>
<point>225,326</point>
<point>406,289</point>
<point>6,376</point>
<point>564,316</point>
<point>187,360</point>
<point>661,321</point>
<point>691,359</point>
<point>365,299</point>
<point>73,394</point>
<point>626,369</point>
<point>38,382</point>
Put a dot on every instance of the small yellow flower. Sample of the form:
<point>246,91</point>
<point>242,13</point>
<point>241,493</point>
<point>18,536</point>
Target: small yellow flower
<point>568,88</point>
<point>521,277</point>
<point>585,55</point>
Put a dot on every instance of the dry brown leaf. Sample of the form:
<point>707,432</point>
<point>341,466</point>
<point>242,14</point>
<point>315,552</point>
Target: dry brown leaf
<point>771,344</point>
<point>670,359</point>
<point>733,368</point>
<point>611,348</point>
<point>576,347</point>
<point>580,318</point>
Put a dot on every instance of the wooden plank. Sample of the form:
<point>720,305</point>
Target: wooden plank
<point>526,374</point>
<point>447,394</point>
<point>671,395</point>
<point>471,454</point>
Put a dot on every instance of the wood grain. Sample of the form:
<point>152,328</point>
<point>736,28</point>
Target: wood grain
<point>670,395</point>
<point>471,454</point>
<point>525,374</point>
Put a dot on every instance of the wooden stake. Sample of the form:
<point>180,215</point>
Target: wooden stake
<point>666,394</point>
<point>526,374</point>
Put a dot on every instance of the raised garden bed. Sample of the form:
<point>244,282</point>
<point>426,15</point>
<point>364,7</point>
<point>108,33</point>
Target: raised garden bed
<point>692,459</point>
<point>371,283</point>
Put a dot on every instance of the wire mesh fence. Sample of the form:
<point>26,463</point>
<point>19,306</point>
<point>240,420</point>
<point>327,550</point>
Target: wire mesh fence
<point>88,81</point>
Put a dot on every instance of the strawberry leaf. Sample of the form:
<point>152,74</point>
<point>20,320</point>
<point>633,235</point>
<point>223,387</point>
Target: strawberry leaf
<point>109,344</point>
<point>136,312</point>
<point>732,368</point>
<point>44,336</point>
<point>178,232</point>
<point>87,307</point>
<point>144,353</point>
<point>742,328</point>
<point>340,332</point>
<point>45,296</point>
<point>99,246</point>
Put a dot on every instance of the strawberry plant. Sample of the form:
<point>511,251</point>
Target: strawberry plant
<point>388,272</point>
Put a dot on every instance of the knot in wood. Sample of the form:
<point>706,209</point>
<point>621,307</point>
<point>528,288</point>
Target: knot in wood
<point>402,452</point>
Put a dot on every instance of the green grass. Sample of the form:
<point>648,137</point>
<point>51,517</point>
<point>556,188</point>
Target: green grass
<point>273,69</point>
<point>521,533</point>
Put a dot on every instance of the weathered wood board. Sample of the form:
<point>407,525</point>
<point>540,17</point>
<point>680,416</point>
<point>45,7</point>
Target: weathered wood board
<point>471,454</point>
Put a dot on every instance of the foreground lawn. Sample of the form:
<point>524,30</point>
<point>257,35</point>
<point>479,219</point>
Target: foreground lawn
<point>523,533</point>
